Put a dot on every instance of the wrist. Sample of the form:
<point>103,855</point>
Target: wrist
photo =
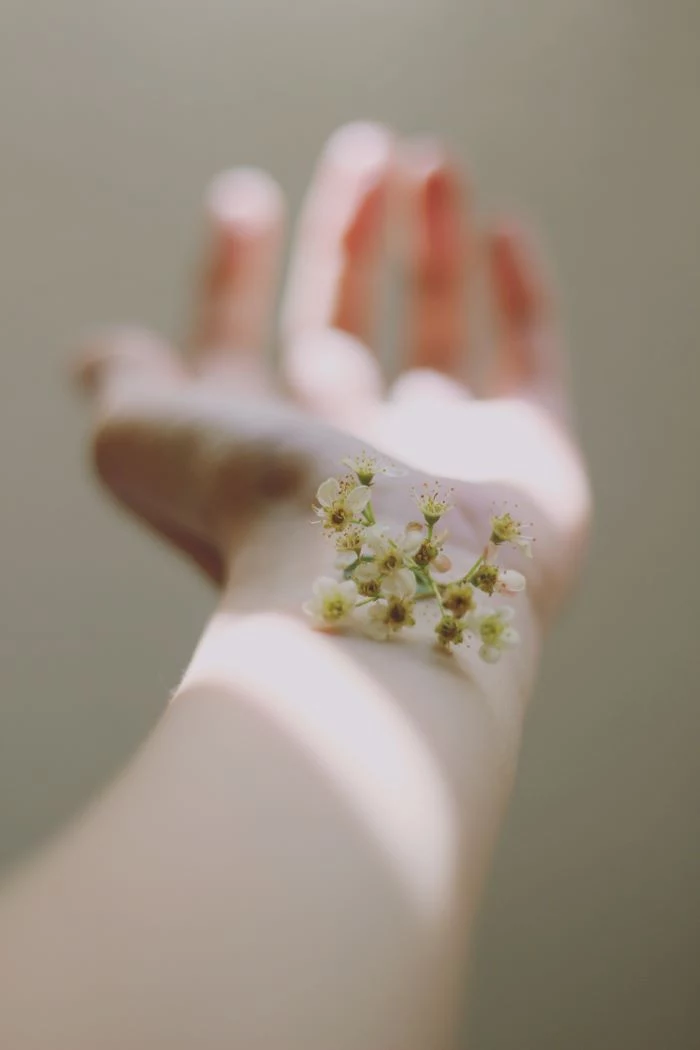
<point>272,566</point>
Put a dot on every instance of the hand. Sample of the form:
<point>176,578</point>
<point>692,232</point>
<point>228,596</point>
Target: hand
<point>202,445</point>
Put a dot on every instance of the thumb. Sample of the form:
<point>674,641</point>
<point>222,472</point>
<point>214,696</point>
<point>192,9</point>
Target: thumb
<point>113,357</point>
<point>113,367</point>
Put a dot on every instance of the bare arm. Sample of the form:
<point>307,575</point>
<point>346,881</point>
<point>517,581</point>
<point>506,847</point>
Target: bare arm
<point>292,860</point>
<point>294,857</point>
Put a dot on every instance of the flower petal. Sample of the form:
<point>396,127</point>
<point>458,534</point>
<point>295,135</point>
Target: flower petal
<point>400,584</point>
<point>374,622</point>
<point>358,498</point>
<point>348,590</point>
<point>510,637</point>
<point>344,559</point>
<point>510,581</point>
<point>328,491</point>
<point>366,571</point>
<point>490,654</point>
<point>376,538</point>
<point>411,541</point>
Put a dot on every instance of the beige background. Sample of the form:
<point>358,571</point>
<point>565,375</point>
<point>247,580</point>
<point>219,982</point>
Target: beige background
<point>584,113</point>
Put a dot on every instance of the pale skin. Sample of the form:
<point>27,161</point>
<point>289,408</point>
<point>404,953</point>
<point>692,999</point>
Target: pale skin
<point>294,857</point>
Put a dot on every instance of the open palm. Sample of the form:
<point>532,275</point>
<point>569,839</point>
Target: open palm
<point>198,444</point>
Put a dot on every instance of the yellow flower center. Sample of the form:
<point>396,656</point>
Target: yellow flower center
<point>334,609</point>
<point>486,578</point>
<point>338,516</point>
<point>458,598</point>
<point>504,529</point>
<point>425,553</point>
<point>491,630</point>
<point>448,630</point>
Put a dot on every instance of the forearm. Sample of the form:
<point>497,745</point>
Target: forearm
<point>291,860</point>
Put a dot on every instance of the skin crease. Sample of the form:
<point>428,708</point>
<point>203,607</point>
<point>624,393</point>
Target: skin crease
<point>294,857</point>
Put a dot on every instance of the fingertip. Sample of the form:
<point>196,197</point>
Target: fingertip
<point>426,162</point>
<point>338,249</point>
<point>244,200</point>
<point>245,208</point>
<point>360,147</point>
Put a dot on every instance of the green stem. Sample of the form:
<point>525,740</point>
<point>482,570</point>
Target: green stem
<point>477,564</point>
<point>436,590</point>
<point>368,514</point>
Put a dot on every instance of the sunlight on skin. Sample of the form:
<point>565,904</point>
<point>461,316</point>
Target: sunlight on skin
<point>353,729</point>
<point>506,440</point>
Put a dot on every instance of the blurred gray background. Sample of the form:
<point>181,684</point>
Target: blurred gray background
<point>584,114</point>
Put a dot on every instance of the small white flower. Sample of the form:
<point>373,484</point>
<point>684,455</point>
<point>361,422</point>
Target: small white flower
<point>339,504</point>
<point>433,503</point>
<point>348,545</point>
<point>389,552</point>
<point>394,609</point>
<point>449,631</point>
<point>430,552</point>
<point>367,467</point>
<point>494,631</point>
<point>491,579</point>
<point>505,529</point>
<point>458,597</point>
<point>368,579</point>
<point>332,603</point>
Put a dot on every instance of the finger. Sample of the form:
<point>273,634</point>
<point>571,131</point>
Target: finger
<point>337,257</point>
<point>245,210</point>
<point>438,250</point>
<point>528,360</point>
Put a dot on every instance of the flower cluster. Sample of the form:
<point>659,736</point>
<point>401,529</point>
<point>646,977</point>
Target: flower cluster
<point>382,574</point>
